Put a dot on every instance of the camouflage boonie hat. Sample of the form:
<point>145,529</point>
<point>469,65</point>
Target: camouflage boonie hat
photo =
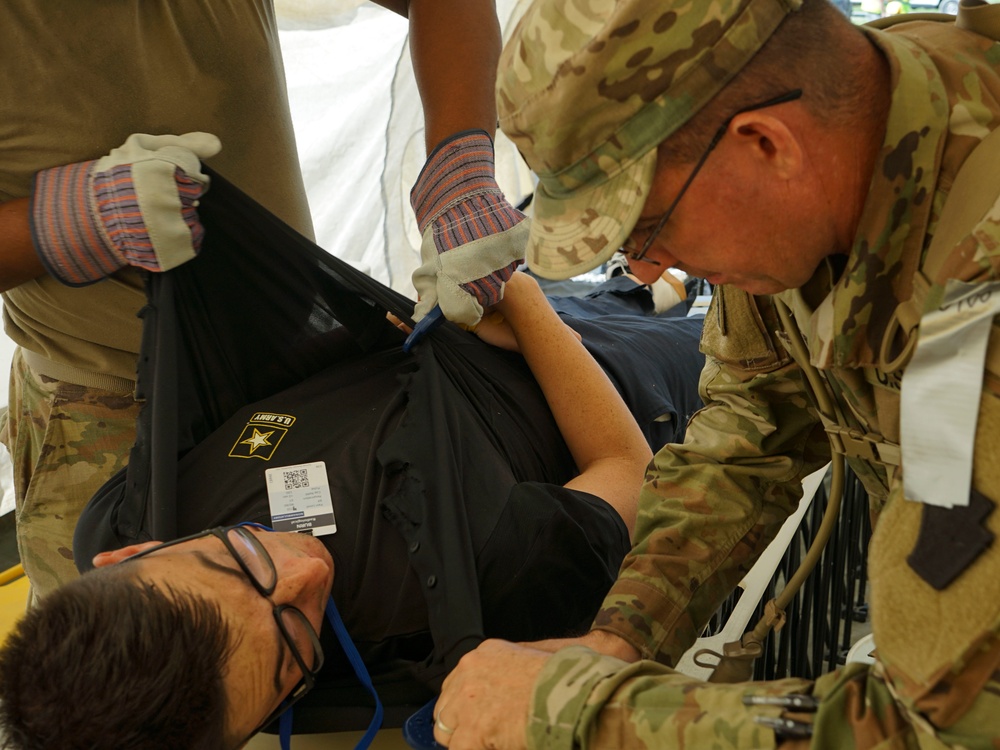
<point>587,89</point>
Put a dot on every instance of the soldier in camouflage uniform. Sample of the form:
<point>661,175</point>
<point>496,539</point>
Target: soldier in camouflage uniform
<point>72,412</point>
<point>816,162</point>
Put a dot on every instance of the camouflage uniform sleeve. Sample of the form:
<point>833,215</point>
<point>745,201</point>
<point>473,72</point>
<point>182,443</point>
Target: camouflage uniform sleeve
<point>711,505</point>
<point>585,700</point>
<point>563,691</point>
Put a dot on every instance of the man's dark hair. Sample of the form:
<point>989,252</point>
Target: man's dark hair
<point>108,661</point>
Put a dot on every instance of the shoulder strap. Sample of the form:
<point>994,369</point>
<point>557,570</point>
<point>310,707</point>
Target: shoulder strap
<point>979,17</point>
<point>887,21</point>
<point>975,189</point>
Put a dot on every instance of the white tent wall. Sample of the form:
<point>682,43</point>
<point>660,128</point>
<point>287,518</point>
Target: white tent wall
<point>359,127</point>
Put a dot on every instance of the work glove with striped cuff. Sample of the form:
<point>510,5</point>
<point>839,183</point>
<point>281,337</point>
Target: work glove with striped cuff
<point>134,207</point>
<point>472,238</point>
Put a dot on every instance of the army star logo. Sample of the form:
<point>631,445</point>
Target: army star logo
<point>262,435</point>
<point>258,440</point>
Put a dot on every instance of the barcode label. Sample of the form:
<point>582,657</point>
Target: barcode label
<point>299,498</point>
<point>296,478</point>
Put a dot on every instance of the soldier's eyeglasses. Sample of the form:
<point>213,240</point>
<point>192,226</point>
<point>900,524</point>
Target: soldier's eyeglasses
<point>629,246</point>
<point>295,628</point>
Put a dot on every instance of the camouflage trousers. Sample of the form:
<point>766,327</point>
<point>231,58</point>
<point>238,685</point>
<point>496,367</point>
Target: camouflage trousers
<point>65,441</point>
<point>585,700</point>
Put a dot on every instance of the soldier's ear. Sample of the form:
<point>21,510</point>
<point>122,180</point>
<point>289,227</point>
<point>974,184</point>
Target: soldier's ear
<point>771,141</point>
<point>112,557</point>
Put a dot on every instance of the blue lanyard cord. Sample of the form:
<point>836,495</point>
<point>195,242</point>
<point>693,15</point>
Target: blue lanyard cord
<point>285,722</point>
<point>359,669</point>
<point>285,729</point>
<point>333,617</point>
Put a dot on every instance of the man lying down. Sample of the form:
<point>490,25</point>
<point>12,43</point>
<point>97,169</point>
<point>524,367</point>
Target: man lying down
<point>201,642</point>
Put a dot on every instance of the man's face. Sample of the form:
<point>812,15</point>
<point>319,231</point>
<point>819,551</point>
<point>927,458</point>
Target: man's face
<point>261,670</point>
<point>739,222</point>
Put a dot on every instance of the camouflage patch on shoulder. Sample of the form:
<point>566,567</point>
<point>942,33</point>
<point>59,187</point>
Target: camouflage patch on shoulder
<point>739,331</point>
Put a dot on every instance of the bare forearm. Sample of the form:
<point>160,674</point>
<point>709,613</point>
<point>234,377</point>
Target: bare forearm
<point>18,260</point>
<point>455,45</point>
<point>598,428</point>
<point>592,417</point>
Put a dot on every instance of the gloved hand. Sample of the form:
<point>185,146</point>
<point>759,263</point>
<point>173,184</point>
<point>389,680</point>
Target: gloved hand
<point>134,207</point>
<point>473,239</point>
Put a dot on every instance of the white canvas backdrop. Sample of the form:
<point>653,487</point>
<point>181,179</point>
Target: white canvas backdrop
<point>359,127</point>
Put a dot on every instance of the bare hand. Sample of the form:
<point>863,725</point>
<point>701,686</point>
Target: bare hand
<point>486,700</point>
<point>496,331</point>
<point>494,328</point>
<point>600,641</point>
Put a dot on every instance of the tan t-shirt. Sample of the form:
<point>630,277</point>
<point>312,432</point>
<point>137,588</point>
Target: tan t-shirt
<point>79,78</point>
